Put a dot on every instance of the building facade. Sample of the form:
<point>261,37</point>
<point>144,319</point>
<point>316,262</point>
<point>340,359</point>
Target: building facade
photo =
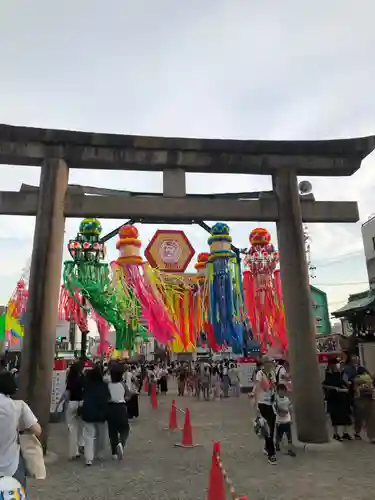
<point>368,237</point>
<point>358,315</point>
<point>320,311</point>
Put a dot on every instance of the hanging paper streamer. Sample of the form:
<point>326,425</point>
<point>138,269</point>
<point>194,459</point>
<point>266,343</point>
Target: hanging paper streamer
<point>280,313</point>
<point>181,299</point>
<point>19,299</point>
<point>2,327</point>
<point>138,279</point>
<point>12,324</point>
<point>169,253</point>
<point>204,327</point>
<point>10,327</point>
<point>262,291</point>
<point>225,295</point>
<point>12,320</point>
<point>103,330</point>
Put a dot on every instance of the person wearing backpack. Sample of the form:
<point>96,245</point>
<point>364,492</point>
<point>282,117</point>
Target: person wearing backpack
<point>264,397</point>
<point>281,373</point>
<point>94,411</point>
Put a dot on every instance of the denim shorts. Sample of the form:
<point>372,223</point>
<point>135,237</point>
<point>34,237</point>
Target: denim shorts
<point>20,473</point>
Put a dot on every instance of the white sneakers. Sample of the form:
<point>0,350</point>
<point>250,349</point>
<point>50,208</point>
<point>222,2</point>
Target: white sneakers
<point>120,451</point>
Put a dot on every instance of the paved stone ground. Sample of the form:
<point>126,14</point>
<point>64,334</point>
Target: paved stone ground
<point>154,469</point>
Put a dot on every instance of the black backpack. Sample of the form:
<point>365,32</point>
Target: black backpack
<point>95,403</point>
<point>278,370</point>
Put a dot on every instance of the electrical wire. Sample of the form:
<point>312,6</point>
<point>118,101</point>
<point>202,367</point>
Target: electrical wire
<point>342,284</point>
<point>336,260</point>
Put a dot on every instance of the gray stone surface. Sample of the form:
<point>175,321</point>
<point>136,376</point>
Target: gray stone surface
<point>30,146</point>
<point>154,469</point>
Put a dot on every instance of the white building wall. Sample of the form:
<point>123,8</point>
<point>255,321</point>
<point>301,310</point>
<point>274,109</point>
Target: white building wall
<point>368,237</point>
<point>62,329</point>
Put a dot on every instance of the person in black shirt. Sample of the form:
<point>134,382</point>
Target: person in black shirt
<point>74,394</point>
<point>338,400</point>
<point>96,397</point>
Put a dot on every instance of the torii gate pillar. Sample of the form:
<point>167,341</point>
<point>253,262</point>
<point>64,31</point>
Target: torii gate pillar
<point>44,287</point>
<point>307,392</point>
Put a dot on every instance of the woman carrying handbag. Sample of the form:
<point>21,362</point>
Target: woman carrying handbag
<point>20,453</point>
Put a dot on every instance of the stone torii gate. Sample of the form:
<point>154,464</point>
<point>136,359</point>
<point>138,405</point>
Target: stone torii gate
<point>56,151</point>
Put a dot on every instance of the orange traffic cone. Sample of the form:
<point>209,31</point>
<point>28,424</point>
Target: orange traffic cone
<point>216,484</point>
<point>173,425</point>
<point>154,399</point>
<point>145,385</point>
<point>187,433</point>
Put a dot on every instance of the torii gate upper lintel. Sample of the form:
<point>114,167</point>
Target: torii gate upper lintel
<point>31,146</point>
<point>58,150</point>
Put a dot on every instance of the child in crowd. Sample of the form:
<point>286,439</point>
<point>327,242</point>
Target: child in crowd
<point>282,407</point>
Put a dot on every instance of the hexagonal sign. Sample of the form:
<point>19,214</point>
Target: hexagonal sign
<point>169,250</point>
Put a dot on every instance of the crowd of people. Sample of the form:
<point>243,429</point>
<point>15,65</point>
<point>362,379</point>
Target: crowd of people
<point>106,395</point>
<point>349,391</point>
<point>209,380</point>
<point>350,399</point>
<point>99,402</point>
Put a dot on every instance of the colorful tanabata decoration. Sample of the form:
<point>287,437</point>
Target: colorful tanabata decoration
<point>169,253</point>
<point>10,327</point>
<point>204,327</point>
<point>180,296</point>
<point>262,291</point>
<point>140,282</point>
<point>88,287</point>
<point>11,321</point>
<point>19,299</point>
<point>225,290</point>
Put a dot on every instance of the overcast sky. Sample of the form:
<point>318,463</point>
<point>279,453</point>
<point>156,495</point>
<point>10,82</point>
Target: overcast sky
<point>233,69</point>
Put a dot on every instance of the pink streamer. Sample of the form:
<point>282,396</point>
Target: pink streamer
<point>103,329</point>
<point>154,312</point>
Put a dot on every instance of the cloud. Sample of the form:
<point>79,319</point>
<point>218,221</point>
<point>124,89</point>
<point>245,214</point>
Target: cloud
<point>270,70</point>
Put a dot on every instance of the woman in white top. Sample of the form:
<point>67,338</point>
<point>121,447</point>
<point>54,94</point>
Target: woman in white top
<point>234,378</point>
<point>117,418</point>
<point>15,416</point>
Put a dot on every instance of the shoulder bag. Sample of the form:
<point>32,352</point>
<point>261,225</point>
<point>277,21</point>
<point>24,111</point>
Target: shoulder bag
<point>32,454</point>
<point>31,449</point>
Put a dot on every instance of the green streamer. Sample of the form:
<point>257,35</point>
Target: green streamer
<point>117,306</point>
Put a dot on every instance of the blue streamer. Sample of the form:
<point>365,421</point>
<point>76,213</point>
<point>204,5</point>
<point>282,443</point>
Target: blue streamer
<point>225,311</point>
